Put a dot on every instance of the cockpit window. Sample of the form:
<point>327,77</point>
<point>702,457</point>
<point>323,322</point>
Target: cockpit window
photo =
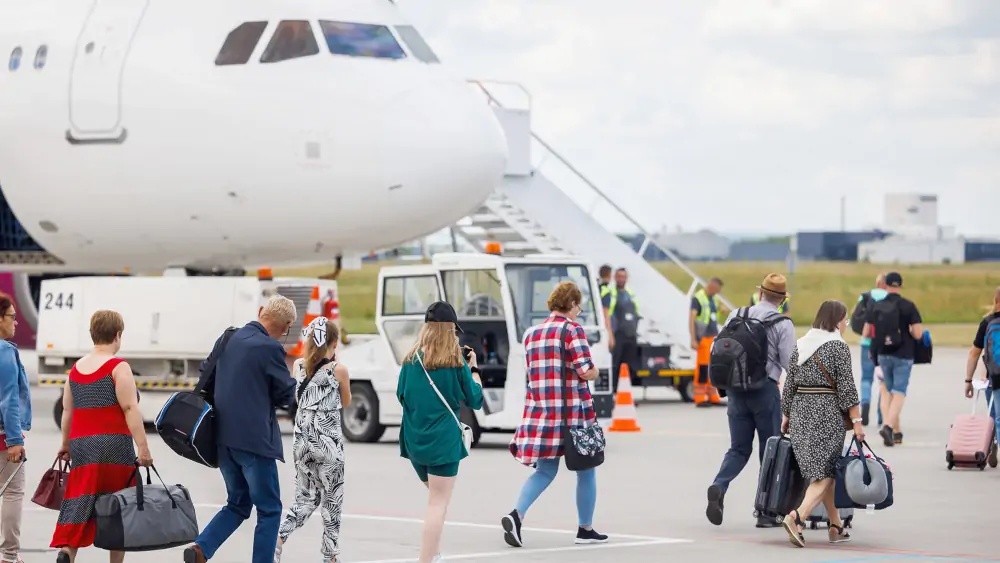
<point>420,49</point>
<point>15,59</point>
<point>240,43</point>
<point>361,40</point>
<point>292,39</point>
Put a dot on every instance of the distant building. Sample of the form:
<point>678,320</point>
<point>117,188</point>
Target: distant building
<point>703,245</point>
<point>982,250</point>
<point>911,251</point>
<point>834,245</point>
<point>759,251</point>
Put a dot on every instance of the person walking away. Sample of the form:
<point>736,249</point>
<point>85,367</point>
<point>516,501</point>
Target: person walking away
<point>538,440</point>
<point>704,326</point>
<point>324,388</point>
<point>433,381</point>
<point>251,381</point>
<point>783,308</point>
<point>819,389</point>
<point>894,325</point>
<point>865,300</point>
<point>100,422</point>
<point>759,410</point>
<point>15,420</point>
<point>623,314</point>
<point>987,345</point>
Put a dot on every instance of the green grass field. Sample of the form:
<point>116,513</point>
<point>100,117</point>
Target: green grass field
<point>952,299</point>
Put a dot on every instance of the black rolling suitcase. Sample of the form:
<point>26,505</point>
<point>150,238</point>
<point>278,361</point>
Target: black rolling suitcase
<point>780,486</point>
<point>186,423</point>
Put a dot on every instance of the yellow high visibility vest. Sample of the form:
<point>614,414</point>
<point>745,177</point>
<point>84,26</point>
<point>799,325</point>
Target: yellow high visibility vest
<point>613,290</point>
<point>783,308</point>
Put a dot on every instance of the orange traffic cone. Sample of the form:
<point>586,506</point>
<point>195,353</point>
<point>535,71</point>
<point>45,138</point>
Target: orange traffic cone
<point>623,419</point>
<point>313,311</point>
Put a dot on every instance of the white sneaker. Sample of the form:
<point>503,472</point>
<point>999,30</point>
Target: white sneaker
<point>437,559</point>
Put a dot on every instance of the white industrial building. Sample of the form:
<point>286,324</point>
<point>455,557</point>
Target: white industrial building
<point>916,236</point>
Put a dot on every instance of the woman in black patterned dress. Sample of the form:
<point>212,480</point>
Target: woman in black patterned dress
<point>819,389</point>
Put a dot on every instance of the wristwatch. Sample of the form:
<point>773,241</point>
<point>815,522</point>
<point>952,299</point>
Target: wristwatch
<point>475,370</point>
<point>968,381</point>
<point>856,420</point>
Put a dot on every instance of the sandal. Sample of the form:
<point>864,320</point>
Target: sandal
<point>838,534</point>
<point>794,527</point>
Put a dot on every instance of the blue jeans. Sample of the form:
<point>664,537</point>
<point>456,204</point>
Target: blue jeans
<point>759,411</point>
<point>868,379</point>
<point>545,472</point>
<point>251,482</point>
<point>895,373</point>
<point>995,412</point>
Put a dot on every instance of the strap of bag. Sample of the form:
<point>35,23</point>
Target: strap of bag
<point>565,360</point>
<point>444,402</point>
<point>826,374</point>
<point>140,500</point>
<point>309,378</point>
<point>207,379</point>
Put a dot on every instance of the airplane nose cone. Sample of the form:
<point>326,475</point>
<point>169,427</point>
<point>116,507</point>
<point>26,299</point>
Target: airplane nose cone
<point>449,145</point>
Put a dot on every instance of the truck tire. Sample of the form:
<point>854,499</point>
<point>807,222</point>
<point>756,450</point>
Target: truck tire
<point>360,420</point>
<point>467,416</point>
<point>57,411</point>
<point>685,387</point>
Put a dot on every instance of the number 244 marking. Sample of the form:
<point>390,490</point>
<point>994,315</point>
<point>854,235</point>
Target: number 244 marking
<point>58,302</point>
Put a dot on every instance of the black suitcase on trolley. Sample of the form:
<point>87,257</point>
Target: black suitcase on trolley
<point>186,423</point>
<point>780,486</point>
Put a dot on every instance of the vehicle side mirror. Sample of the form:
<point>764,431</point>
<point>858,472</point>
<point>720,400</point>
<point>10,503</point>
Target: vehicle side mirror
<point>593,336</point>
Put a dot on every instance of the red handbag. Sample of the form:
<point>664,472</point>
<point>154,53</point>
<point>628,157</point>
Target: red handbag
<point>51,489</point>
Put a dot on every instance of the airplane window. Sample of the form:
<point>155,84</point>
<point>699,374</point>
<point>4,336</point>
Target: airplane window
<point>293,39</point>
<point>361,40</point>
<point>240,43</point>
<point>40,55</point>
<point>15,59</point>
<point>420,49</point>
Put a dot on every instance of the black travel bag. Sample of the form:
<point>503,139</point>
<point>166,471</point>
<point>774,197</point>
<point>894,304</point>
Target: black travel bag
<point>186,423</point>
<point>780,486</point>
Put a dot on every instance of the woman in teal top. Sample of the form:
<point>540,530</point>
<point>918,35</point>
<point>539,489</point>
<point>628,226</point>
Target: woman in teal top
<point>429,435</point>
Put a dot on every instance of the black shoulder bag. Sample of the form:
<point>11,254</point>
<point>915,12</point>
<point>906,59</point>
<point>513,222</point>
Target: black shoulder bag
<point>584,446</point>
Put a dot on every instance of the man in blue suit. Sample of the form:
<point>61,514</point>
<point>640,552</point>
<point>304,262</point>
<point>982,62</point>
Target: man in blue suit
<point>251,381</point>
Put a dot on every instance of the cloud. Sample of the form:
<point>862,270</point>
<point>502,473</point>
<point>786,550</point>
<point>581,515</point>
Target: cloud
<point>677,107</point>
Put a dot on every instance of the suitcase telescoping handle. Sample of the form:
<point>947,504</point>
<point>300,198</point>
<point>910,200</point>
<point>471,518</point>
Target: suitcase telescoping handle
<point>3,489</point>
<point>989,404</point>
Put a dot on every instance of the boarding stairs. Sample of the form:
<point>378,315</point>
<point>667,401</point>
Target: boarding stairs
<point>531,214</point>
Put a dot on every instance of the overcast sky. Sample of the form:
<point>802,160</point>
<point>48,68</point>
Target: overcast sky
<point>751,115</point>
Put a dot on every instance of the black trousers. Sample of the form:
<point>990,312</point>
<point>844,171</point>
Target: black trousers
<point>625,351</point>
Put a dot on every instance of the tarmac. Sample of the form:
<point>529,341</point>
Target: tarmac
<point>651,496</point>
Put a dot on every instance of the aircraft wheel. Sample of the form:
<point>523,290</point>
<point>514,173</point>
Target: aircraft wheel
<point>361,419</point>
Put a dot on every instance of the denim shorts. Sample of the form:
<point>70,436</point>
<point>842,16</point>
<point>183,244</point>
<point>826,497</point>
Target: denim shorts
<point>895,373</point>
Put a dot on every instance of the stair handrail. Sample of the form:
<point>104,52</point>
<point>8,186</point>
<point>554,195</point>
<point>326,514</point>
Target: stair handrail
<point>647,238</point>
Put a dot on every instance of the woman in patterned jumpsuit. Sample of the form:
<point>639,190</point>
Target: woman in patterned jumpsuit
<point>318,445</point>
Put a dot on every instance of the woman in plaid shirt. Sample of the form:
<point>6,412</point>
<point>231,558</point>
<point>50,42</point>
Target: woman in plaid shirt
<point>538,441</point>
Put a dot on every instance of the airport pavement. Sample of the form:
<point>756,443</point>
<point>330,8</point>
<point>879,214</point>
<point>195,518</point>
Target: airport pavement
<point>651,498</point>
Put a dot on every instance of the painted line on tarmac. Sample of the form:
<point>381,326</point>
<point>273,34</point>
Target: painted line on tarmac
<point>639,539</point>
<point>906,558</point>
<point>872,553</point>
<point>521,552</point>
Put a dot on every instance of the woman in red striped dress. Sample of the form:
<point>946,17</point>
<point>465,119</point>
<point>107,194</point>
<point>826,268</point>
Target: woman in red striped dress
<point>100,420</point>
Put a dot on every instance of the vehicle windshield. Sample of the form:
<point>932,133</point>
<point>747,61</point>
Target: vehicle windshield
<point>531,284</point>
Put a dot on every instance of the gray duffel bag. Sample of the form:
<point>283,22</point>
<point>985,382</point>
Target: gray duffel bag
<point>145,517</point>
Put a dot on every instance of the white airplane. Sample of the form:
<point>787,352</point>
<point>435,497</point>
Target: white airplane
<point>139,135</point>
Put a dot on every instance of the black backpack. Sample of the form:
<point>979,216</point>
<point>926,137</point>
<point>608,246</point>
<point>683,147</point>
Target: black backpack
<point>739,354</point>
<point>860,314</point>
<point>888,332</point>
<point>186,423</point>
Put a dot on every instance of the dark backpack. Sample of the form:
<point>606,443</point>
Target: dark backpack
<point>739,354</point>
<point>888,332</point>
<point>860,314</point>
<point>991,348</point>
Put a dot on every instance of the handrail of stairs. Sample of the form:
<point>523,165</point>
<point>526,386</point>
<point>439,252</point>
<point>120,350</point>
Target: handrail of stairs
<point>648,239</point>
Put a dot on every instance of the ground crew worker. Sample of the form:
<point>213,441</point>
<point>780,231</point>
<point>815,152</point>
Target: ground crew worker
<point>603,283</point>
<point>622,312</point>
<point>755,299</point>
<point>704,325</point>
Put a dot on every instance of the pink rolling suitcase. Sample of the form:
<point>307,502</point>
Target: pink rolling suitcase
<point>970,441</point>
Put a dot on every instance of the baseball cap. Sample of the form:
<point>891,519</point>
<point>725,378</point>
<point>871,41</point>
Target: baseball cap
<point>893,279</point>
<point>442,312</point>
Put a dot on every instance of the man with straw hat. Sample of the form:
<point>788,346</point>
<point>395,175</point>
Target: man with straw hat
<point>758,410</point>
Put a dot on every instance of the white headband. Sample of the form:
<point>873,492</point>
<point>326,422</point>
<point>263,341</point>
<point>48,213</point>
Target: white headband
<point>318,328</point>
